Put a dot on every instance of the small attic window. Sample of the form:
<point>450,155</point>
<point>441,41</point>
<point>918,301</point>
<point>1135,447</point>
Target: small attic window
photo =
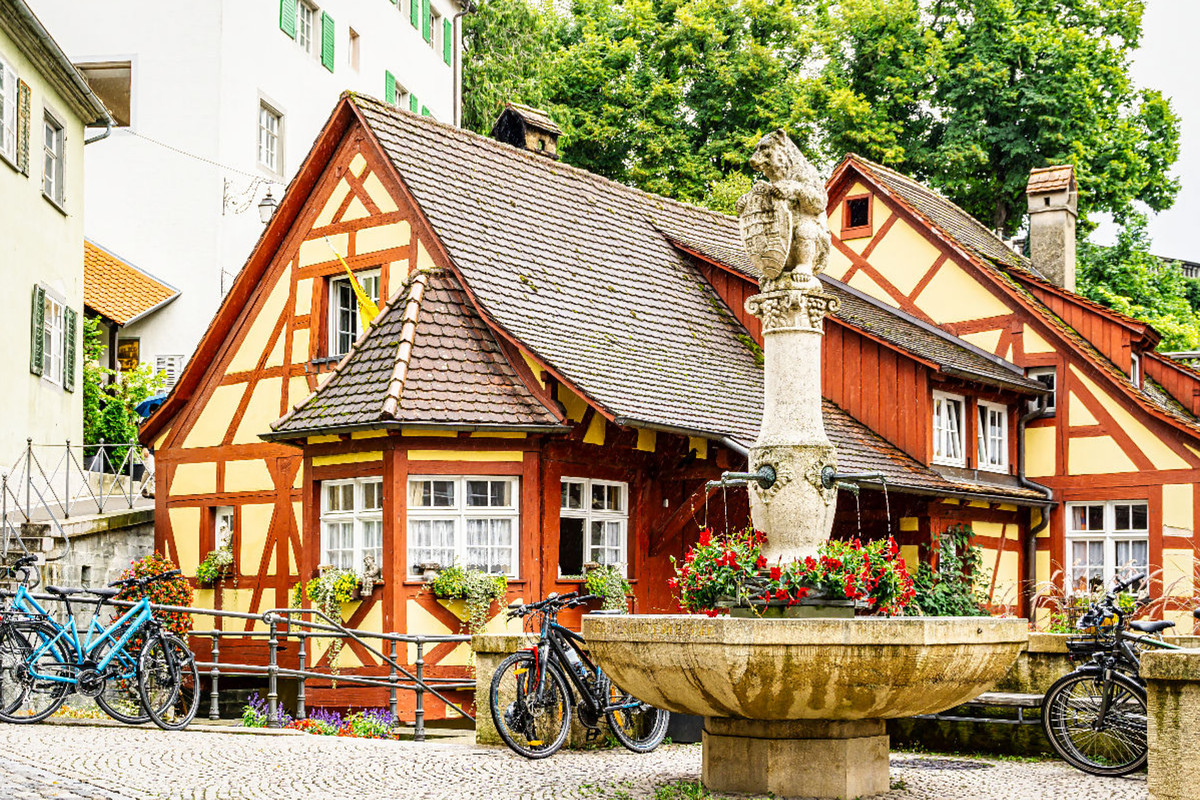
<point>856,221</point>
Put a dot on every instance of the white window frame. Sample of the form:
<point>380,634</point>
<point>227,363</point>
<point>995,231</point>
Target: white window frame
<point>1135,369</point>
<point>270,137</point>
<point>306,37</point>
<point>223,518</point>
<point>435,30</point>
<point>366,278</point>
<point>54,339</point>
<point>366,523</point>
<point>353,49</point>
<point>992,434</point>
<point>171,366</point>
<point>941,428</point>
<point>591,516</point>
<point>1108,537</point>
<point>459,514</point>
<point>8,112</point>
<point>1046,403</point>
<point>54,137</point>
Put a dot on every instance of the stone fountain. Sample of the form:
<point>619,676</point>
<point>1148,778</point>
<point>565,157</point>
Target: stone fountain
<point>796,707</point>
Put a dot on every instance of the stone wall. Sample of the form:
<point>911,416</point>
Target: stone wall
<point>1173,730</point>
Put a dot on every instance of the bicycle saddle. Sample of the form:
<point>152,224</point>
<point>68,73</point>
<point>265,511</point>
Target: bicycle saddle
<point>106,593</point>
<point>1146,626</point>
<point>64,592</point>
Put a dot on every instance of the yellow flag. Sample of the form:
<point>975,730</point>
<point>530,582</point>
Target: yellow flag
<point>367,310</point>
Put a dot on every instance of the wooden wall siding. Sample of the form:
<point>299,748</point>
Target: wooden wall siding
<point>1179,381</point>
<point>1114,339</point>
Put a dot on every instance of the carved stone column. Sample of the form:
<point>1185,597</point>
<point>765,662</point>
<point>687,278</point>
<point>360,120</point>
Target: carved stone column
<point>797,510</point>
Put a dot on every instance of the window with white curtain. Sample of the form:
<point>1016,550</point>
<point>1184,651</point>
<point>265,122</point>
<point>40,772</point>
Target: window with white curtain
<point>948,441</point>
<point>993,436</point>
<point>1106,541</point>
<point>593,521</point>
<point>8,111</point>
<point>472,520</point>
<point>351,522</point>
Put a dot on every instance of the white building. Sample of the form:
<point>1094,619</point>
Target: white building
<point>218,102</point>
<point>45,105</point>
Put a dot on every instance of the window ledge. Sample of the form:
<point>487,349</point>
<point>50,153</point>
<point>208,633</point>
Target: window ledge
<point>12,164</point>
<point>55,203</point>
<point>418,582</point>
<point>860,232</point>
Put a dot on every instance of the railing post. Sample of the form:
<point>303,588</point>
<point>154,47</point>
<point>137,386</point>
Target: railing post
<point>392,680</point>
<point>301,709</point>
<point>419,724</point>
<point>67,482</point>
<point>214,697</point>
<point>129,460</point>
<point>28,477</point>
<point>273,674</point>
<point>4,512</point>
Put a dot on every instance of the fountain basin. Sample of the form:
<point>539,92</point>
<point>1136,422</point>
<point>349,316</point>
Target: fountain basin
<point>796,706</point>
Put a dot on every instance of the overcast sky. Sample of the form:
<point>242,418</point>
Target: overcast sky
<point>1169,60</point>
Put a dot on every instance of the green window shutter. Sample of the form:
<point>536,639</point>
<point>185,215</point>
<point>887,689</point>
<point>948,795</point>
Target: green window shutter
<point>23,127</point>
<point>414,12</point>
<point>37,341</point>
<point>287,17</point>
<point>412,103</point>
<point>389,87</point>
<point>448,41</point>
<point>71,324</point>
<point>327,41</point>
<point>424,111</point>
<point>426,31</point>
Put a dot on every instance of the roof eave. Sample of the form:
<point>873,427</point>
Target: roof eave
<point>393,425</point>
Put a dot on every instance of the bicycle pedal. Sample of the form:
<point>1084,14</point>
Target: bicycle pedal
<point>535,742</point>
<point>592,734</point>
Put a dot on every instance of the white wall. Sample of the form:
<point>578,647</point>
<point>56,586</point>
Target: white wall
<point>198,77</point>
<point>39,243</point>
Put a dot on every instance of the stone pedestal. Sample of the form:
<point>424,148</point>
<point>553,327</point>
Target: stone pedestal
<point>1173,733</point>
<point>801,758</point>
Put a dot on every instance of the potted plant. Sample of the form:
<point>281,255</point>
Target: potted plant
<point>478,590</point>
<point>328,592</point>
<point>730,573</point>
<point>608,583</point>
<point>215,566</point>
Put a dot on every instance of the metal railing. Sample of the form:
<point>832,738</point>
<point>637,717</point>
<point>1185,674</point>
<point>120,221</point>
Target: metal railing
<point>296,623</point>
<point>48,483</point>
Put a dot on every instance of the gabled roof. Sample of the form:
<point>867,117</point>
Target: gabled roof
<point>428,359</point>
<point>534,117</point>
<point>117,290</point>
<point>1051,179</point>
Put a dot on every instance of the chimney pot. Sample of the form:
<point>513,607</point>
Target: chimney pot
<point>527,128</point>
<point>1053,207</point>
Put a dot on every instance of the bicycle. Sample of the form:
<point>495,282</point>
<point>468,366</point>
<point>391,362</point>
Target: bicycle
<point>42,661</point>
<point>533,690</point>
<point>1095,716</point>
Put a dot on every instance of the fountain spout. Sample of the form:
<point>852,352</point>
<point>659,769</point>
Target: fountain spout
<point>764,477</point>
<point>832,479</point>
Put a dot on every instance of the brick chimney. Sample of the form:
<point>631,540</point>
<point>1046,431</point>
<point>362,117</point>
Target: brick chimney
<point>1053,206</point>
<point>527,128</point>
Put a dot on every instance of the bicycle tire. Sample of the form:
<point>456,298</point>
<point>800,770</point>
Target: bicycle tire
<point>121,698</point>
<point>1069,712</point>
<point>536,730</point>
<point>169,682</point>
<point>641,728</point>
<point>23,698</point>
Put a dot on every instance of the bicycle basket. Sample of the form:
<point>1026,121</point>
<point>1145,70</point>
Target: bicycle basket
<point>1083,647</point>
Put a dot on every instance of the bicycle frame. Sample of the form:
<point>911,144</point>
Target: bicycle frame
<point>130,623</point>
<point>554,642</point>
<point>24,604</point>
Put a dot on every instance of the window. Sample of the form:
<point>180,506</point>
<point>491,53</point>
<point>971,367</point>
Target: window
<point>394,93</point>
<point>1135,369</point>
<point>353,52</point>
<point>53,340</point>
<point>351,522</point>
<point>948,442</point>
<point>1048,377</point>
<point>306,20</point>
<point>345,324</point>
<point>593,518</point>
<point>993,436</point>
<point>1106,541</point>
<point>171,366</point>
<point>466,519</point>
<point>269,123</point>
<point>52,170</point>
<point>435,30</point>
<point>856,219</point>
<point>8,112</point>
<point>223,526</point>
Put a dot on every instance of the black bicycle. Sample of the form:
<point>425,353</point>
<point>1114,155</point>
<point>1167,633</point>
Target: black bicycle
<point>534,690</point>
<point>1095,716</point>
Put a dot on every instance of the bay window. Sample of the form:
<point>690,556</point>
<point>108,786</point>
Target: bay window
<point>1106,541</point>
<point>593,522</point>
<point>948,441</point>
<point>993,437</point>
<point>351,522</point>
<point>472,520</point>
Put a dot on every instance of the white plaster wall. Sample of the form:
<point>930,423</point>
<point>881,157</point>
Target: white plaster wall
<point>38,244</point>
<point>198,76</point>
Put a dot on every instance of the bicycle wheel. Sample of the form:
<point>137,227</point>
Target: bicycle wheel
<point>532,724</point>
<point>35,671</point>
<point>121,698</point>
<point>1070,719</point>
<point>168,682</point>
<point>638,726</point>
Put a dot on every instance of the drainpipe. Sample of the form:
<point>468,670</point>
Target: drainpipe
<point>99,136</point>
<point>456,25</point>
<point>1030,581</point>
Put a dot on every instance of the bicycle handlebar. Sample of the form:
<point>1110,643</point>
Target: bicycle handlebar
<point>127,582</point>
<point>1125,584</point>
<point>554,600</point>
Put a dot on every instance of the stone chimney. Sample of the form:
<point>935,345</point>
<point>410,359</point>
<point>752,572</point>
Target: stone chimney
<point>1053,206</point>
<point>527,128</point>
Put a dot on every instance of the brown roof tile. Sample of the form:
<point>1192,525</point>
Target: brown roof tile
<point>1051,179</point>
<point>117,290</point>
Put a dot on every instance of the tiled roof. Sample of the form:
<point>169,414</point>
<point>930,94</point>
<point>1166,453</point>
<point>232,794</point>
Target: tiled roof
<point>117,290</point>
<point>534,116</point>
<point>427,359</point>
<point>1051,179</point>
<point>570,264</point>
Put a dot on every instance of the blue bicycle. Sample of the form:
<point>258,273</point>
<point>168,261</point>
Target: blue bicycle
<point>42,661</point>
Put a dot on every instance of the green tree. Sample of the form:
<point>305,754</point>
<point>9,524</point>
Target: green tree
<point>505,51</point>
<point>1128,278</point>
<point>109,397</point>
<point>969,95</point>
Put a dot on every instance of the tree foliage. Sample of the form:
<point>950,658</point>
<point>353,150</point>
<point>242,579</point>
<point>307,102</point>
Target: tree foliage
<point>109,397</point>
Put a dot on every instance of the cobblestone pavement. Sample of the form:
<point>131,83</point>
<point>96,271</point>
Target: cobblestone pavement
<point>83,762</point>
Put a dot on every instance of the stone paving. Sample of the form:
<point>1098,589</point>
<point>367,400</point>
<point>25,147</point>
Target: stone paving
<point>85,762</point>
